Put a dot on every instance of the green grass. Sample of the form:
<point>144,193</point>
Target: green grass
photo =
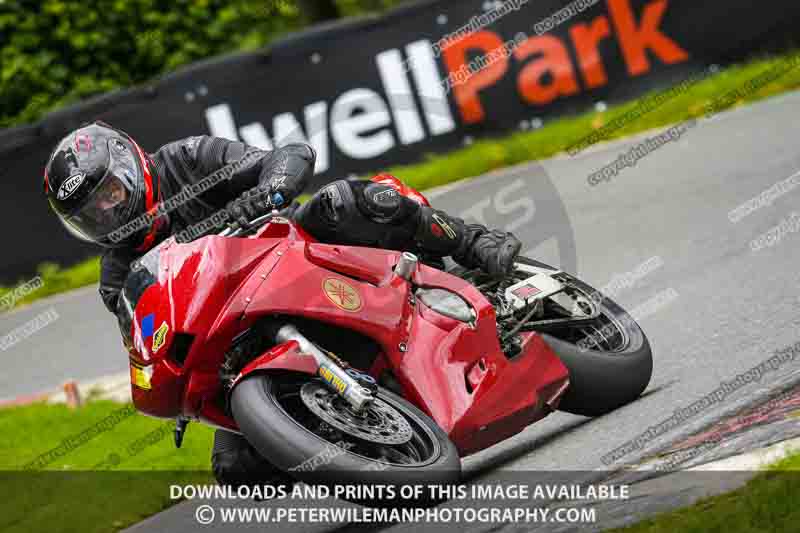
<point>791,463</point>
<point>57,280</point>
<point>767,503</point>
<point>491,154</point>
<point>71,494</point>
<point>51,424</point>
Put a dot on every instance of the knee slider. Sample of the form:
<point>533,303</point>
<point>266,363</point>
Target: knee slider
<point>383,204</point>
<point>323,214</point>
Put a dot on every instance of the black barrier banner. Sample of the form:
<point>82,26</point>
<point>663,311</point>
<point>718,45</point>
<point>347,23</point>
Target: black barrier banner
<point>386,90</point>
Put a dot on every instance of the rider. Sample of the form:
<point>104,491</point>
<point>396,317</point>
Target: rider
<point>105,189</point>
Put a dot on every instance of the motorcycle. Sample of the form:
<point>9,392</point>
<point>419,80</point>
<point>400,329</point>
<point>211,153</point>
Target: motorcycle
<point>344,364</point>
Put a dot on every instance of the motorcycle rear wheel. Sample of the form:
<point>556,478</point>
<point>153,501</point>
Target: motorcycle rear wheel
<point>602,380</point>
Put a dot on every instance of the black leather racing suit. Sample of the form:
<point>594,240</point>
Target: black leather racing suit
<point>350,212</point>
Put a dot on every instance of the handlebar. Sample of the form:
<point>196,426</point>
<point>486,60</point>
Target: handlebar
<point>234,229</point>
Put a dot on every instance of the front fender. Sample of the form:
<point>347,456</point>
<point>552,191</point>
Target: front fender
<point>286,356</point>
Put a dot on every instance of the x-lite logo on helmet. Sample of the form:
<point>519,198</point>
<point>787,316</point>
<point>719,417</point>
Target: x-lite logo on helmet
<point>70,185</point>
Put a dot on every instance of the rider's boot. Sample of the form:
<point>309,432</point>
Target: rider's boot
<point>470,245</point>
<point>235,463</point>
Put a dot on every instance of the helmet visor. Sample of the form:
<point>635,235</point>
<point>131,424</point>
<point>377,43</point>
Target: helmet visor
<point>111,204</point>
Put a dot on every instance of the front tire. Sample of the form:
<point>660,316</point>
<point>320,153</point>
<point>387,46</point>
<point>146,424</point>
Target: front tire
<point>271,414</point>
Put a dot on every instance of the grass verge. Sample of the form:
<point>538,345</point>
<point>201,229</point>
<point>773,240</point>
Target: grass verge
<point>767,503</point>
<point>56,280</point>
<point>556,137</point>
<point>105,466</point>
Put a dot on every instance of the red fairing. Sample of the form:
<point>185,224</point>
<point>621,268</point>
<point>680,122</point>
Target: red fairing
<point>402,188</point>
<point>211,290</point>
<point>460,376</point>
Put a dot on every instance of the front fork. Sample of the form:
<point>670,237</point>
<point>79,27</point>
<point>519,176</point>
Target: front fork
<point>336,378</point>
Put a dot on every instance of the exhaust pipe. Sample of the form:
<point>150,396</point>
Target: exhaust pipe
<point>334,376</point>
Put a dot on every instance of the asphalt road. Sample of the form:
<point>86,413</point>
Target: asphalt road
<point>730,307</point>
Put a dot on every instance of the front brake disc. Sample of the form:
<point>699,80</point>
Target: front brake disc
<point>379,422</point>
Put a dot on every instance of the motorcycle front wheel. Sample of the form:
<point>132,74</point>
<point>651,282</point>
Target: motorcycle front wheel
<point>315,436</point>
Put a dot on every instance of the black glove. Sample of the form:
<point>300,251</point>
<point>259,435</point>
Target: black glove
<point>250,205</point>
<point>286,172</point>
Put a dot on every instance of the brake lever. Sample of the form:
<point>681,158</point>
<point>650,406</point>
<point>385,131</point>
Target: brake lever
<point>273,203</point>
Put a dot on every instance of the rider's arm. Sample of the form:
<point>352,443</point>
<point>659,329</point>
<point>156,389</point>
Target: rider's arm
<point>286,169</point>
<point>114,268</point>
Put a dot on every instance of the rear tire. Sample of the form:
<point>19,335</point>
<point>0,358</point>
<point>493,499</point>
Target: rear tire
<point>602,381</point>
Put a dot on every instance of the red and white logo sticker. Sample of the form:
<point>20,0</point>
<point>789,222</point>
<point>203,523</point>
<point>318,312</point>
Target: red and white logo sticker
<point>525,292</point>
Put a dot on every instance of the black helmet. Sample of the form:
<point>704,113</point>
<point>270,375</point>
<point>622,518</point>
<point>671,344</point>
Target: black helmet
<point>104,189</point>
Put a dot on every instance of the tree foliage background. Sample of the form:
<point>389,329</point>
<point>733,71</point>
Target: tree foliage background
<point>55,52</point>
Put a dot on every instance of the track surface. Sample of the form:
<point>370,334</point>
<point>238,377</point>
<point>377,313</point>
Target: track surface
<point>734,306</point>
